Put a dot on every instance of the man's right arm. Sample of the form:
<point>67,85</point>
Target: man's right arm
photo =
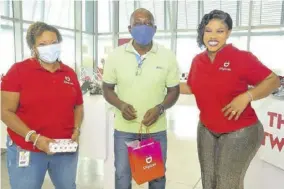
<point>127,110</point>
<point>110,95</point>
<point>109,82</point>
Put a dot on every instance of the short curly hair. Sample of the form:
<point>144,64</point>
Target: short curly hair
<point>36,29</point>
<point>215,14</point>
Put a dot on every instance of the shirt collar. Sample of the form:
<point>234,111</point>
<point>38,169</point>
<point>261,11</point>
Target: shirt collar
<point>36,65</point>
<point>129,47</point>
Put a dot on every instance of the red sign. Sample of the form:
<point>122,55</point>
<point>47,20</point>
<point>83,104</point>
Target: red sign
<point>275,120</point>
<point>122,41</point>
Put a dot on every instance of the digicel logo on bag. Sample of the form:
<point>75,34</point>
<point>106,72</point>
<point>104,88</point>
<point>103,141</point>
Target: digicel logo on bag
<point>149,160</point>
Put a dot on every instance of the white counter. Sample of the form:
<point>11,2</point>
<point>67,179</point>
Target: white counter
<point>271,113</point>
<point>94,131</point>
<point>96,140</point>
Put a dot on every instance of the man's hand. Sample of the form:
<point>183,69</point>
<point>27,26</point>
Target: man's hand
<point>128,111</point>
<point>151,116</point>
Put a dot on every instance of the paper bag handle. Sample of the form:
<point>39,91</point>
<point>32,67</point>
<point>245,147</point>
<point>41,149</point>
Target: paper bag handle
<point>147,131</point>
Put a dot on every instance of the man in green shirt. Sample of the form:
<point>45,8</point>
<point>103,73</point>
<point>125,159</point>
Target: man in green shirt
<point>147,79</point>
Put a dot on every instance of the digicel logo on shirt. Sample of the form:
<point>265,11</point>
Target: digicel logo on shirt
<point>67,80</point>
<point>225,67</point>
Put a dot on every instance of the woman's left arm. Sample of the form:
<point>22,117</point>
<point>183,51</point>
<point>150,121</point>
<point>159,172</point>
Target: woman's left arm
<point>265,87</point>
<point>258,75</point>
<point>78,116</point>
<point>78,112</point>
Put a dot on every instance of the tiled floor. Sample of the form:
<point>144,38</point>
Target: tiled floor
<point>182,166</point>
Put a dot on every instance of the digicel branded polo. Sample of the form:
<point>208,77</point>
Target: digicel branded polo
<point>216,84</point>
<point>47,100</point>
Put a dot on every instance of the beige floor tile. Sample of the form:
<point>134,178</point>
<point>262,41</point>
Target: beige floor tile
<point>177,185</point>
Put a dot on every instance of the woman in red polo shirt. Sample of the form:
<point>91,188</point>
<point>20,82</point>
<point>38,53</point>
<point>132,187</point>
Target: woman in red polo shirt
<point>41,100</point>
<point>229,133</point>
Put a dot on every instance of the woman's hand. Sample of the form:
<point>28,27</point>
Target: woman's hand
<point>43,144</point>
<point>236,107</point>
<point>75,136</point>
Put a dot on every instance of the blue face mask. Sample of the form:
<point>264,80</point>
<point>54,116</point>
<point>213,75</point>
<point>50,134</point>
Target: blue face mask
<point>143,34</point>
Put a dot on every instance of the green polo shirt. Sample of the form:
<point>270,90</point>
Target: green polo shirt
<point>143,87</point>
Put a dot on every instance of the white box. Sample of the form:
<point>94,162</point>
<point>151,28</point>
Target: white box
<point>63,145</point>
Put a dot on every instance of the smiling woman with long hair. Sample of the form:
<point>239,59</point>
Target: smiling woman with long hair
<point>229,132</point>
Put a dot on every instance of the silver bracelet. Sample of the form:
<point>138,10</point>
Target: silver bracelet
<point>36,140</point>
<point>77,129</point>
<point>28,135</point>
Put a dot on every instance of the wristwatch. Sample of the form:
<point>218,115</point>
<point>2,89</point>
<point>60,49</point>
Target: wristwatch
<point>161,108</point>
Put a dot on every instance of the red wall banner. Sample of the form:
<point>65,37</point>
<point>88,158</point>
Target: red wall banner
<point>122,41</point>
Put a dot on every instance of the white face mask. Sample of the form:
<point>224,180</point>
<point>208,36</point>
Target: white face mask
<point>49,53</point>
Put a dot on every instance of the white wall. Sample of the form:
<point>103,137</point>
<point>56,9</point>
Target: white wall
<point>3,135</point>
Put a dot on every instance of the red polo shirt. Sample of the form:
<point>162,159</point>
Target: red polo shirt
<point>216,84</point>
<point>47,100</point>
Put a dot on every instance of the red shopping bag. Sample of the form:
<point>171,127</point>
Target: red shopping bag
<point>146,160</point>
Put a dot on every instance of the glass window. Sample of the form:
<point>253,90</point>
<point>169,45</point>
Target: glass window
<point>88,59</point>
<point>239,42</point>
<point>68,48</point>
<point>6,46</point>
<point>105,16</point>
<point>128,35</point>
<point>88,51</point>
<point>6,8</point>
<point>157,8</point>
<point>244,13</point>
<point>88,22</point>
<point>2,7</point>
<point>163,39</point>
<point>269,49</point>
<point>125,10</point>
<point>33,10</point>
<point>187,15</point>
<point>105,45</point>
<point>267,13</point>
<point>59,13</point>
<point>27,51</point>
<point>230,7</point>
<point>187,49</point>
